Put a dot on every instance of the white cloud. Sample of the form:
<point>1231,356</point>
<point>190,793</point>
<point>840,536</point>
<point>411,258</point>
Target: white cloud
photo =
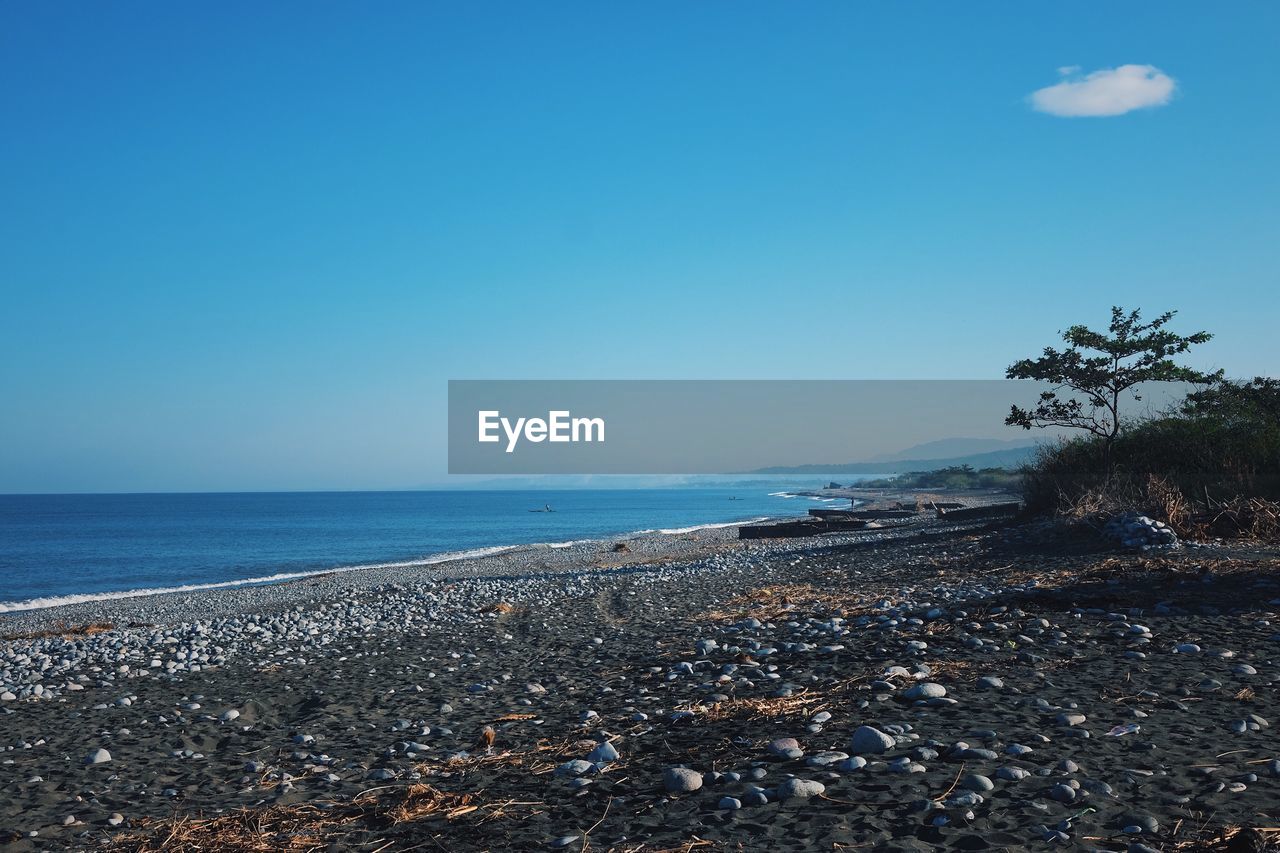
<point>1107,92</point>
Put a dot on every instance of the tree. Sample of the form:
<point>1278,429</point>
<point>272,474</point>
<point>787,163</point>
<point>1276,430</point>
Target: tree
<point>1253,403</point>
<point>1095,370</point>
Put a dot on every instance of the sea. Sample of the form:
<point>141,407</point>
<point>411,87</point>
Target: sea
<point>61,549</point>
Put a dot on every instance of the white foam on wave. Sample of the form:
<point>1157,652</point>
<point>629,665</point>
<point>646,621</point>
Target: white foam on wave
<point>569,543</point>
<point>673,530</point>
<point>112,595</point>
<point>81,598</point>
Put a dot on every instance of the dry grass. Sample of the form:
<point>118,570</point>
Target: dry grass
<point>802,704</point>
<point>303,827</point>
<point>541,757</point>
<point>284,828</point>
<point>421,801</point>
<point>1238,517</point>
<point>1170,567</point>
<point>63,630</point>
<point>500,608</point>
<point>1255,518</point>
<point>692,844</point>
<point>771,708</point>
<point>1230,839</point>
<point>779,601</point>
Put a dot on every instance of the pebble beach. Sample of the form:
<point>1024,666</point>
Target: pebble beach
<point>921,686</point>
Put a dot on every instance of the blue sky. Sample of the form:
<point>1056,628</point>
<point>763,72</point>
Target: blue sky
<point>245,245</point>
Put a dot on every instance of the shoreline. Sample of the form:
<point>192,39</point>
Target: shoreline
<point>186,601</point>
<point>23,610</point>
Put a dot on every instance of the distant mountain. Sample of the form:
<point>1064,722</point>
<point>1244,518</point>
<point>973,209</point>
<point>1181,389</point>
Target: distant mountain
<point>950,448</point>
<point>1007,458</point>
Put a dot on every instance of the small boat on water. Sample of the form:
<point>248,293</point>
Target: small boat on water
<point>546,508</point>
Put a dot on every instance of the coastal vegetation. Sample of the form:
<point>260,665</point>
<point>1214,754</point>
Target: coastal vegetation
<point>951,477</point>
<point>1208,464</point>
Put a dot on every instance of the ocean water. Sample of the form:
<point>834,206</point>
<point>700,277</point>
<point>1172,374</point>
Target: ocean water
<point>55,549</point>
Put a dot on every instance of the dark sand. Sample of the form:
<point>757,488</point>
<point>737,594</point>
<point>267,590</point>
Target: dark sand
<point>623,642</point>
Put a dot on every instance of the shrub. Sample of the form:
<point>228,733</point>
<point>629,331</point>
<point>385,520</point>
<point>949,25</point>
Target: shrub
<point>1222,446</point>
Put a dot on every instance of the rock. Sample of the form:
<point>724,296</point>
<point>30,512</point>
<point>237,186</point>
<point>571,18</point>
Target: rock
<point>729,804</point>
<point>1142,823</point>
<point>98,756</point>
<point>229,716</point>
<point>576,767</point>
<point>800,789</point>
<point>868,741</point>
<point>681,780</point>
<point>990,682</point>
<point>565,841</point>
<point>977,782</point>
<point>826,758</point>
<point>1062,793</point>
<point>603,754</point>
<point>925,690</point>
<point>964,800</point>
<point>977,754</point>
<point>785,747</point>
<point>116,819</point>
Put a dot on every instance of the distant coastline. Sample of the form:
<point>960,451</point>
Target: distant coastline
<point>1010,458</point>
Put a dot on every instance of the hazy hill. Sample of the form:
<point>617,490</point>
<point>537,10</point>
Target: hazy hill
<point>1006,458</point>
<point>951,448</point>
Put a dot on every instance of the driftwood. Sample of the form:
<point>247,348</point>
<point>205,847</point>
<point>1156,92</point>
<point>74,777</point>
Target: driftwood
<point>831,513</point>
<point>882,513</point>
<point>863,514</point>
<point>794,529</point>
<point>977,512</point>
